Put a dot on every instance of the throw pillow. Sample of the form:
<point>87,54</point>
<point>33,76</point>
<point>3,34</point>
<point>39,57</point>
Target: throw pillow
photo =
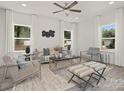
<point>46,51</point>
<point>20,61</point>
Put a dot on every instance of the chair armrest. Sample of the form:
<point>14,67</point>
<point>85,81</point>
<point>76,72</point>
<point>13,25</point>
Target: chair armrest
<point>11,65</point>
<point>84,51</point>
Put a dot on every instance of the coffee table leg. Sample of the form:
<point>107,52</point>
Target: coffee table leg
<point>40,71</point>
<point>55,66</point>
<point>50,64</point>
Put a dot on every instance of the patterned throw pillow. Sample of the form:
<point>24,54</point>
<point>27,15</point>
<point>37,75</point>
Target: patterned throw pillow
<point>20,61</point>
<point>46,51</point>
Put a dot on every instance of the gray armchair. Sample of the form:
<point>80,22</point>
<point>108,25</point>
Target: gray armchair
<point>93,53</point>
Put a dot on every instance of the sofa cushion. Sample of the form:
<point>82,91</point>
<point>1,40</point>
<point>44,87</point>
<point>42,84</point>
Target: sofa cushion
<point>81,70</point>
<point>95,65</point>
<point>46,51</point>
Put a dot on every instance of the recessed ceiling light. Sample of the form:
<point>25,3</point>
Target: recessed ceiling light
<point>24,5</point>
<point>111,2</point>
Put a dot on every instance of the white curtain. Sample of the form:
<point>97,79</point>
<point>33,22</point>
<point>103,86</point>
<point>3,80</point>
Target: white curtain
<point>61,33</point>
<point>75,38</point>
<point>9,32</point>
<point>119,43</point>
<point>98,31</point>
<point>34,31</point>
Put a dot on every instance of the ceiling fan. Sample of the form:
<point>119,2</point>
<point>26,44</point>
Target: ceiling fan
<point>67,7</point>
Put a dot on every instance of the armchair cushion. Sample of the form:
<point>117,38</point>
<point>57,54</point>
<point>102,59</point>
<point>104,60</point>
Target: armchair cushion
<point>93,50</point>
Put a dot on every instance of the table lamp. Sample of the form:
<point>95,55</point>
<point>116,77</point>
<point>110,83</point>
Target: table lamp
<point>27,44</point>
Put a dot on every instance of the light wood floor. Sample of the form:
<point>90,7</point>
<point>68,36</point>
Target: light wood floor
<point>49,82</point>
<point>58,82</point>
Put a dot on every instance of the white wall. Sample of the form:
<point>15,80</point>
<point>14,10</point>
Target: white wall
<point>21,18</point>
<point>108,17</point>
<point>45,23</point>
<point>85,34</point>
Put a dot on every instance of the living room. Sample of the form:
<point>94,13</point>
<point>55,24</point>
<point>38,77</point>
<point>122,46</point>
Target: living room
<point>61,34</point>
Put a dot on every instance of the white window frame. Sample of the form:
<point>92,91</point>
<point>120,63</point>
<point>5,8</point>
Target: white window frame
<point>111,38</point>
<point>14,38</point>
<point>68,39</point>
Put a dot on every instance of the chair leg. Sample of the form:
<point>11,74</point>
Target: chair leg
<point>14,87</point>
<point>40,72</point>
<point>100,76</point>
<point>71,78</point>
<point>88,81</point>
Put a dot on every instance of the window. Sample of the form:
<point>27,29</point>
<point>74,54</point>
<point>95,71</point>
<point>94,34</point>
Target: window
<point>68,40</point>
<point>108,36</point>
<point>22,34</point>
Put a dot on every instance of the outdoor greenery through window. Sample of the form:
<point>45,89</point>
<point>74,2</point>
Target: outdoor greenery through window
<point>67,40</point>
<point>108,36</point>
<point>21,35</point>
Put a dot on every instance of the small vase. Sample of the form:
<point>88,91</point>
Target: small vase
<point>56,54</point>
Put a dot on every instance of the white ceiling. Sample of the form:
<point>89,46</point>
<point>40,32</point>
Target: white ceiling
<point>89,8</point>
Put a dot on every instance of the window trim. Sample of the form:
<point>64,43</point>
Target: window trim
<point>68,39</point>
<point>101,38</point>
<point>20,38</point>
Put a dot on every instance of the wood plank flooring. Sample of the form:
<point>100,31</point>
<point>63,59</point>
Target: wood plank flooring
<point>58,82</point>
<point>49,82</point>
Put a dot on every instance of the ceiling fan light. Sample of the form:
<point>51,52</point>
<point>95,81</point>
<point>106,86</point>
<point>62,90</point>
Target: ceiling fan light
<point>111,2</point>
<point>24,5</point>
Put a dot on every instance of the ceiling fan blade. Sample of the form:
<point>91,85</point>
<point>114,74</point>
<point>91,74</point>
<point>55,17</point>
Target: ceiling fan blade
<point>74,10</point>
<point>58,11</point>
<point>59,5</point>
<point>72,4</point>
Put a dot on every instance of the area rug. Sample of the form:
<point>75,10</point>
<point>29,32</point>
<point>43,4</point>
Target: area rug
<point>114,80</point>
